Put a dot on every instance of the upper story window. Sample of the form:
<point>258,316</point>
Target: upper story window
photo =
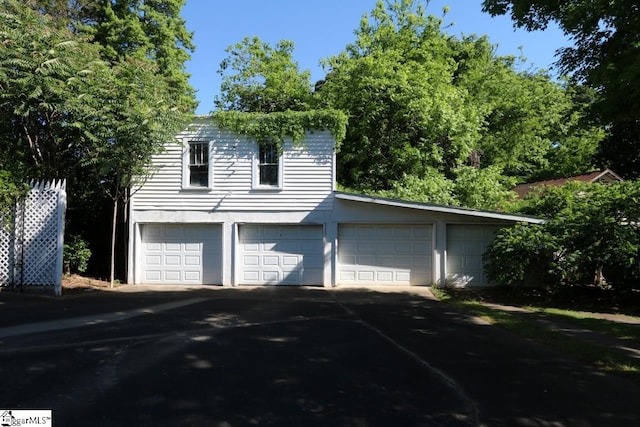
<point>197,171</point>
<point>268,166</point>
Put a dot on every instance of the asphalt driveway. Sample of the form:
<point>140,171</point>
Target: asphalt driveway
<point>288,356</point>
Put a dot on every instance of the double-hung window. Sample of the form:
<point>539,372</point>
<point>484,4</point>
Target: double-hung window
<point>268,166</point>
<point>197,170</point>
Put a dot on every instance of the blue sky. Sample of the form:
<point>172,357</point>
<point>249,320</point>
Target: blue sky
<point>322,28</point>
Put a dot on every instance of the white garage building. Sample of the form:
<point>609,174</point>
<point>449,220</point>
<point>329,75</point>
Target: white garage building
<point>223,210</point>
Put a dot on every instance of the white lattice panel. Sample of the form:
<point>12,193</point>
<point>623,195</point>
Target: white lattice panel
<point>7,255</point>
<point>31,252</point>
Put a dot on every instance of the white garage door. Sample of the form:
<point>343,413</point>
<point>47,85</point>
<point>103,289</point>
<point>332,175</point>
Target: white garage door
<point>182,253</point>
<point>465,246</point>
<point>385,254</point>
<point>281,254</point>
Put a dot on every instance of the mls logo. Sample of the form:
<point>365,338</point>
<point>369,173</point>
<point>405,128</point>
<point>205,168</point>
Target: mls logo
<point>25,417</point>
<point>6,418</point>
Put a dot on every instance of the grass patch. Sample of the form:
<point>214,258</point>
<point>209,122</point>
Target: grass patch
<point>525,325</point>
<point>622,331</point>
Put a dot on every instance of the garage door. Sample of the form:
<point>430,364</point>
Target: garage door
<point>385,254</point>
<point>182,254</point>
<point>465,246</point>
<point>280,254</point>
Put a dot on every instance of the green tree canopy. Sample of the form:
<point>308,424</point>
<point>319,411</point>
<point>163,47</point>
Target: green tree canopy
<point>591,236</point>
<point>422,102</point>
<point>66,113</point>
<point>262,79</point>
<point>605,56</point>
<point>151,29</point>
<point>395,82</point>
<point>47,76</point>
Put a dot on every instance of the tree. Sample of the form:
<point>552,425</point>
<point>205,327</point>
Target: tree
<point>395,83</point>
<point>66,113</point>
<point>526,115</point>
<point>605,56</point>
<point>433,187</point>
<point>485,188</point>
<point>141,122</point>
<point>422,102</point>
<point>45,75</point>
<point>259,78</point>
<point>10,191</point>
<point>593,228</point>
<point>151,29</point>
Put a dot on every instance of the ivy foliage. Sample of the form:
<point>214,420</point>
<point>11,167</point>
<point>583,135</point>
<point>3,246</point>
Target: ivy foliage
<point>276,126</point>
<point>266,97</point>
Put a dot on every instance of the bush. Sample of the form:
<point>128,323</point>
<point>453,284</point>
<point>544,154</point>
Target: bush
<point>522,255</point>
<point>592,236</point>
<point>76,254</point>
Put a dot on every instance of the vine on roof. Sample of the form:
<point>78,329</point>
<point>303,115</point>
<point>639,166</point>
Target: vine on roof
<point>275,127</point>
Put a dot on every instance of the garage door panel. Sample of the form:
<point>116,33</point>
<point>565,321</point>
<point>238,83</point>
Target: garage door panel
<point>251,260</point>
<point>172,276</point>
<point>192,276</point>
<point>290,260</point>
<point>384,276</point>
<point>172,260</point>
<point>152,275</point>
<point>270,260</point>
<point>384,233</point>
<point>192,260</point>
<point>182,253</point>
<point>173,247</point>
<point>385,254</point>
<point>364,275</point>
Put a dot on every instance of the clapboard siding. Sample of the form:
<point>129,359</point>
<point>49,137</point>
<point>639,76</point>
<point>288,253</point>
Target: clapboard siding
<point>308,175</point>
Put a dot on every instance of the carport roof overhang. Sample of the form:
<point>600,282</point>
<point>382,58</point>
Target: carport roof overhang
<point>438,208</point>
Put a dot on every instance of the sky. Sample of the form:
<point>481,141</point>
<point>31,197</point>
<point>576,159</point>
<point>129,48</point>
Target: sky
<point>322,28</point>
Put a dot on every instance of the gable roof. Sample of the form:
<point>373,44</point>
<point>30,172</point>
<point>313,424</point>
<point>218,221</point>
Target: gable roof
<point>605,176</point>
<point>438,208</point>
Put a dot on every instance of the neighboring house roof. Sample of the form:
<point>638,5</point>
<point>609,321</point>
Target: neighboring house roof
<point>438,208</point>
<point>606,176</point>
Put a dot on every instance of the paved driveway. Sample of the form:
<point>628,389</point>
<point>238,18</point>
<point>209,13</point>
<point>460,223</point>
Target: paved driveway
<point>288,356</point>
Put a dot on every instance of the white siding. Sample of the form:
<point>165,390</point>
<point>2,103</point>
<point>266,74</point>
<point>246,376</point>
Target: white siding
<point>307,176</point>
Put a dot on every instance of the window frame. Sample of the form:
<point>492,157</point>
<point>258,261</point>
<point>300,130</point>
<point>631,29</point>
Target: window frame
<point>257,168</point>
<point>186,165</point>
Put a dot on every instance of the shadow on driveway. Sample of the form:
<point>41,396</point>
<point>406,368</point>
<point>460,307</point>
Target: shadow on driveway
<point>293,356</point>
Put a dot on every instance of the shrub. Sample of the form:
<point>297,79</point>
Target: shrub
<point>76,254</point>
<point>522,254</point>
<point>592,236</point>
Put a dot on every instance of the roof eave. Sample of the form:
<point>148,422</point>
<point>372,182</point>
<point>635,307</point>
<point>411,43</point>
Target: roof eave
<point>438,208</point>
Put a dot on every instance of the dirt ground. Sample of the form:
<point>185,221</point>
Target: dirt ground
<point>76,282</point>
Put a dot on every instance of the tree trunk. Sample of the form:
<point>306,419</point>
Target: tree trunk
<point>113,242</point>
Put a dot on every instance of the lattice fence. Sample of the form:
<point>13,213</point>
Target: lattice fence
<point>32,238</point>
